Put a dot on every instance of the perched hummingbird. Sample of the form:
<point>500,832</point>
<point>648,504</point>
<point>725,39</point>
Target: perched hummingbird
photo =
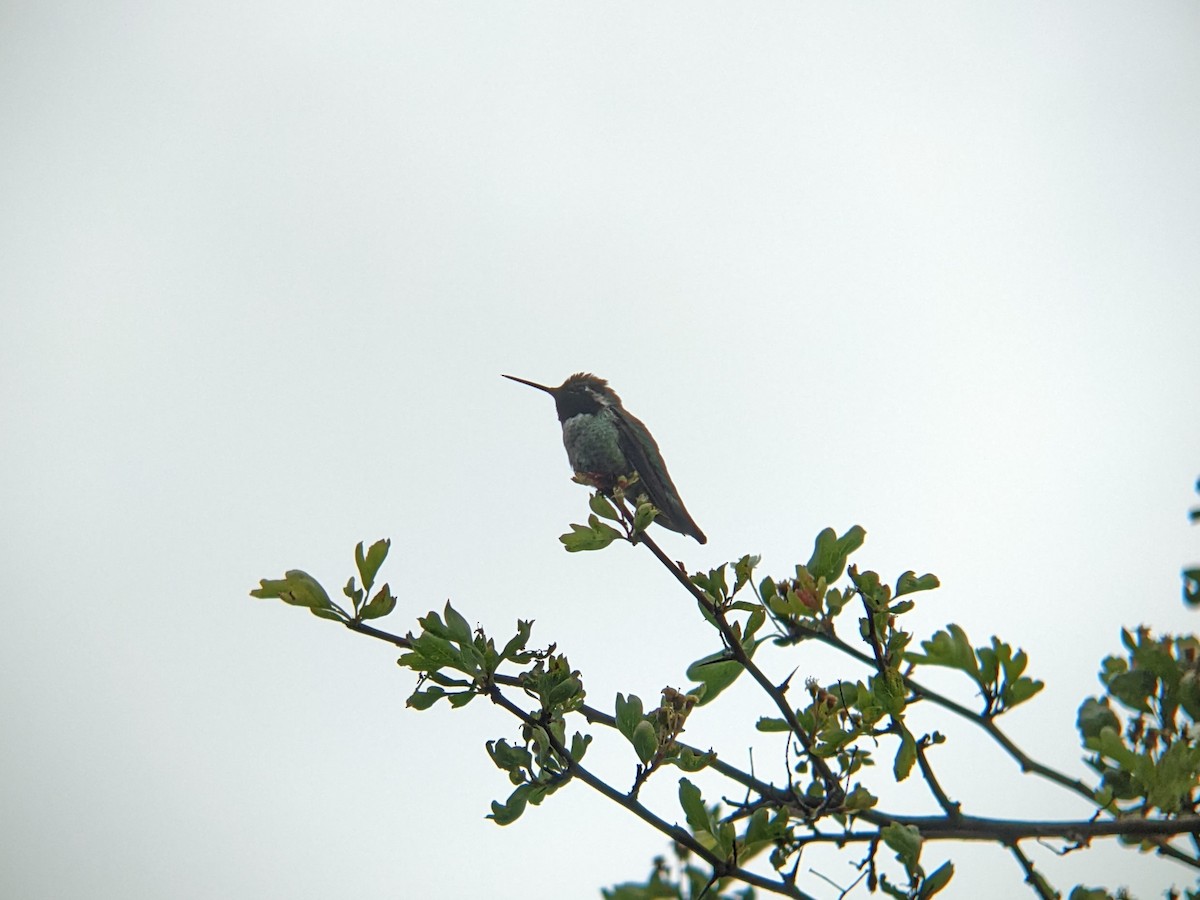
<point>604,442</point>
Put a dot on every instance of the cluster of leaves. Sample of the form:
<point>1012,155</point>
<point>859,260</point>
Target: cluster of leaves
<point>996,669</point>
<point>1152,760</point>
<point>299,588</point>
<point>907,842</point>
<point>452,645</point>
<point>542,763</point>
<point>596,535</point>
<point>654,735</point>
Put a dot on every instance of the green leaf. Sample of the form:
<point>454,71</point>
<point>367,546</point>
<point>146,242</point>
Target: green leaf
<point>335,615</point>
<point>905,840</point>
<point>1133,688</point>
<point>507,813</point>
<point>518,641</point>
<point>909,583</point>
<point>715,673</point>
<point>654,889</point>
<point>645,741</point>
<point>989,663</point>
<point>457,628</point>
<point>437,651</point>
<point>565,690</point>
<point>381,604</point>
<point>767,589</point>
<point>859,799</point>
<point>694,809</point>
<point>296,587</point>
<point>1020,691</point>
<point>938,880</point>
<point>835,600</point>
<point>906,755</point>
<point>596,535</point>
<point>770,724</point>
<point>691,761</point>
<point>643,516</point>
<point>508,757</point>
<point>1110,743</point>
<point>628,714</point>
<point>579,745</point>
<point>949,648</point>
<point>1016,665</point>
<point>446,680</point>
<point>743,571</point>
<point>889,692</point>
<point>426,698</point>
<point>368,564</point>
<point>846,693</point>
<point>873,590</point>
<point>601,506</point>
<point>830,552</point>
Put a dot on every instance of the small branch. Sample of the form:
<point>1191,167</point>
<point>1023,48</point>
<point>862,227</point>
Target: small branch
<point>873,638</point>
<point>953,809</point>
<point>1031,876</point>
<point>1178,855</point>
<point>386,636</point>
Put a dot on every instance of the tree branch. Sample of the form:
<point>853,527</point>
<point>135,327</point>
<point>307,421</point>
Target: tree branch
<point>1005,831</point>
<point>1031,876</point>
<point>952,808</point>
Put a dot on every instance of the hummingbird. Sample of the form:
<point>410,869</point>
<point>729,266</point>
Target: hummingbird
<point>604,443</point>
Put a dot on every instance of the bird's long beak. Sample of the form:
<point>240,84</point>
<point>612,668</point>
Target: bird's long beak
<point>532,384</point>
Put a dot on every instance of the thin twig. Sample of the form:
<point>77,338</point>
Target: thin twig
<point>1032,878</point>
<point>873,638</point>
<point>952,808</point>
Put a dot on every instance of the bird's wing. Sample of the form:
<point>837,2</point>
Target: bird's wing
<point>642,453</point>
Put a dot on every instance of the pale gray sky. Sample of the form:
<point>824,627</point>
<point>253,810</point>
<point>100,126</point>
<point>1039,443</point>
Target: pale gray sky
<point>929,268</point>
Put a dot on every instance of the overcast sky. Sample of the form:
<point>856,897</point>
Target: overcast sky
<point>929,268</point>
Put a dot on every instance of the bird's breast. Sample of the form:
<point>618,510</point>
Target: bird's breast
<point>592,444</point>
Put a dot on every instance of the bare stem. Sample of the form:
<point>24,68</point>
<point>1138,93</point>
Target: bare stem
<point>953,809</point>
<point>1031,876</point>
